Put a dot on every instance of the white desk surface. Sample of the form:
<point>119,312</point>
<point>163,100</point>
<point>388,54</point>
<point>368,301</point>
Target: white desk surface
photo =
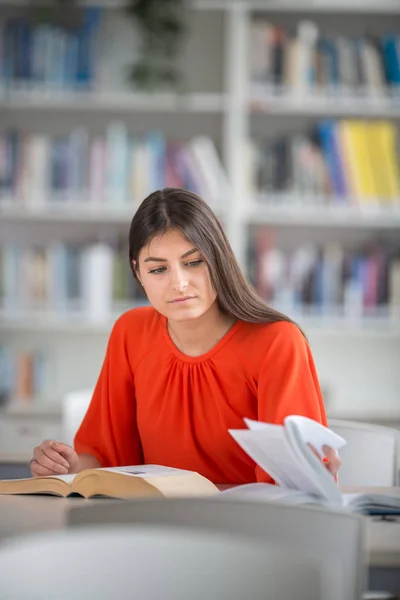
<point>20,515</point>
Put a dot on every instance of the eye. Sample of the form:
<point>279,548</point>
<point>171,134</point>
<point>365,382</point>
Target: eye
<point>194,263</point>
<point>157,271</point>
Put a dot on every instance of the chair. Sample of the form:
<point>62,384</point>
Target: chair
<point>333,539</point>
<point>73,410</point>
<point>371,455</point>
<point>150,561</point>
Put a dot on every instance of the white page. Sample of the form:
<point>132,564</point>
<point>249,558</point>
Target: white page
<point>68,478</point>
<point>269,448</point>
<point>145,470</point>
<point>267,492</point>
<point>315,433</point>
<point>311,432</point>
<point>371,500</point>
<point>255,425</point>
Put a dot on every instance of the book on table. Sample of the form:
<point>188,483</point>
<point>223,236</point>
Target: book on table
<point>283,451</point>
<point>116,482</point>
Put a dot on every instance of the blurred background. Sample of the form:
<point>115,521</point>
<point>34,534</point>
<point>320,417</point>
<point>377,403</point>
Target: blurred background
<point>283,115</point>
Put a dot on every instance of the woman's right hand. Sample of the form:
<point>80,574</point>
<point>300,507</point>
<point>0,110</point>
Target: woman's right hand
<point>54,458</point>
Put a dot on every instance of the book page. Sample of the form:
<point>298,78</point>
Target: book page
<point>315,433</point>
<point>373,503</point>
<point>68,478</point>
<point>269,448</point>
<point>146,470</point>
<point>317,479</point>
<point>267,492</point>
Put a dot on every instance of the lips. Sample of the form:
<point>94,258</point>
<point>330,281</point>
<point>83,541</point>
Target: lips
<point>182,299</point>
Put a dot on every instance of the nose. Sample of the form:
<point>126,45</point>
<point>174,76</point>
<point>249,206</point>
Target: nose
<point>180,286</point>
<point>180,282</point>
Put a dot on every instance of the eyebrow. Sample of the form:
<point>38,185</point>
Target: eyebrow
<point>155,259</point>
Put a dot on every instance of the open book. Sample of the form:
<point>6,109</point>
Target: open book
<point>283,451</point>
<point>116,482</point>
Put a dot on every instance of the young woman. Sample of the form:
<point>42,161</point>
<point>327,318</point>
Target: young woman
<point>207,352</point>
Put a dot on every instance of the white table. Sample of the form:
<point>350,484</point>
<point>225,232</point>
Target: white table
<point>21,515</point>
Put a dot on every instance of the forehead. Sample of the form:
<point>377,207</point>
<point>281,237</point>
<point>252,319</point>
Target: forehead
<point>170,243</point>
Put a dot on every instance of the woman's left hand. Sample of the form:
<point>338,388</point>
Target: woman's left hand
<point>330,459</point>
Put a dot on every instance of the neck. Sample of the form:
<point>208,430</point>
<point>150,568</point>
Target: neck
<point>198,336</point>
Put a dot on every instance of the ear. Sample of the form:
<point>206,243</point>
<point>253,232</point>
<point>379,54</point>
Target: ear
<point>136,270</point>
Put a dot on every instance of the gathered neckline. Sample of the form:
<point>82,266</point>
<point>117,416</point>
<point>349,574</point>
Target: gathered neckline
<point>201,357</point>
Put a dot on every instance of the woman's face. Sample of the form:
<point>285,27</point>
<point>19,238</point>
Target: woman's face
<point>175,277</point>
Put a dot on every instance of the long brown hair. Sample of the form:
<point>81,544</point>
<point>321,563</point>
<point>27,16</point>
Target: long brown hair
<point>174,208</point>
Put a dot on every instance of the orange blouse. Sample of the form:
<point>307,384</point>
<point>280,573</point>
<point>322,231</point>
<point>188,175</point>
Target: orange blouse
<point>153,404</point>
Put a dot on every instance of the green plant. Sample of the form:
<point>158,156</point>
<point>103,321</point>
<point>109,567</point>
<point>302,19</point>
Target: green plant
<point>162,27</point>
<point>62,13</point>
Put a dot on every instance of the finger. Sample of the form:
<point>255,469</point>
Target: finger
<point>63,449</point>
<point>333,459</point>
<point>334,464</point>
<point>329,452</point>
<point>314,451</point>
<point>40,471</point>
<point>45,461</point>
<point>56,457</point>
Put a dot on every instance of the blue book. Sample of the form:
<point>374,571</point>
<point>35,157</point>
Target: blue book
<point>70,63</point>
<point>329,140</point>
<point>391,60</point>
<point>157,155</point>
<point>85,48</point>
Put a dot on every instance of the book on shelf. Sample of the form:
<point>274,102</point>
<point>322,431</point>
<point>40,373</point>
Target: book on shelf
<point>350,162</point>
<point>303,59</point>
<point>67,278</point>
<point>23,374</point>
<point>281,450</point>
<point>328,278</point>
<point>112,171</point>
<point>46,56</point>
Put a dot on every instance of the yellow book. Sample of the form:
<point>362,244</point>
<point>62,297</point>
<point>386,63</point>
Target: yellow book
<point>378,161</point>
<point>364,171</point>
<point>386,146</point>
<point>348,153</point>
<point>117,482</point>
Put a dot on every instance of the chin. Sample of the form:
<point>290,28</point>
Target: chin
<point>181,313</point>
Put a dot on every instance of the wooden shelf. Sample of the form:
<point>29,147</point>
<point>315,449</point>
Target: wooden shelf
<point>34,408</point>
<point>390,7</point>
<point>290,212</point>
<point>58,323</point>
<point>320,105</point>
<point>67,212</point>
<point>127,102</point>
<point>291,6</point>
<point>71,212</point>
<point>283,211</point>
<point>333,326</point>
<point>313,323</point>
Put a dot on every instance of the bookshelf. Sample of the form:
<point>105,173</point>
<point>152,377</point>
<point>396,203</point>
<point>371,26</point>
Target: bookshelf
<point>356,354</point>
<point>285,211</point>
<point>378,106</point>
<point>127,102</point>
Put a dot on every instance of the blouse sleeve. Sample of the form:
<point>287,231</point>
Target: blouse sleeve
<point>288,382</point>
<point>109,430</point>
